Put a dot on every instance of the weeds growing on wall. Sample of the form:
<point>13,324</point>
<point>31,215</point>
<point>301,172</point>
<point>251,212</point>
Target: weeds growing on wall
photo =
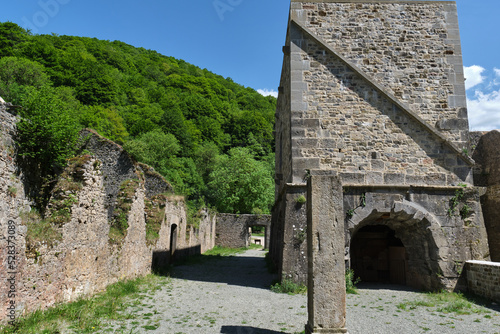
<point>65,193</point>
<point>38,231</point>
<point>119,223</point>
<point>155,214</point>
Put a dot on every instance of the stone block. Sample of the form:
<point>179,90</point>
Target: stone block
<point>394,178</point>
<point>353,178</point>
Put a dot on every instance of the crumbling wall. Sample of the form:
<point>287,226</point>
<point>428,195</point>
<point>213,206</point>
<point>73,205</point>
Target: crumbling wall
<point>487,174</point>
<point>100,226</point>
<point>12,203</point>
<point>232,230</point>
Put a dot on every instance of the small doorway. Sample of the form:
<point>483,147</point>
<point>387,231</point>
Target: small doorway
<point>258,235</point>
<point>378,256</point>
<point>173,242</point>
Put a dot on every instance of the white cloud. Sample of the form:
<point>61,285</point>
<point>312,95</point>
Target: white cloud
<point>473,76</point>
<point>484,111</point>
<point>267,92</point>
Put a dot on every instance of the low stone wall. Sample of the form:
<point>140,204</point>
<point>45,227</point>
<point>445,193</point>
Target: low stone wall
<point>233,230</point>
<point>483,279</point>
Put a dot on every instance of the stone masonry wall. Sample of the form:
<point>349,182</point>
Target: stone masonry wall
<point>342,121</point>
<point>412,48</point>
<point>483,279</point>
<point>80,257</point>
<point>232,230</point>
<point>377,95</point>
<point>283,165</point>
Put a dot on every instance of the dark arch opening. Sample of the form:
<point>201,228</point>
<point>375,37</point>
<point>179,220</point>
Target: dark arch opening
<point>173,242</point>
<point>377,255</point>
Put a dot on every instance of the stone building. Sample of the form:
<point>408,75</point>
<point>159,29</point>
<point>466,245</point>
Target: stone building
<point>372,91</point>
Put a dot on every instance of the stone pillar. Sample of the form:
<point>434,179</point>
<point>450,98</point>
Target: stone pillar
<point>326,295</point>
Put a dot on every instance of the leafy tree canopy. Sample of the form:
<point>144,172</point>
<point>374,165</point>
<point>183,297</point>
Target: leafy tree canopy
<point>186,122</point>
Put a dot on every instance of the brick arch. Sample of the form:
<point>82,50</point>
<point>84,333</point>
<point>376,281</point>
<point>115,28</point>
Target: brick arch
<point>419,231</point>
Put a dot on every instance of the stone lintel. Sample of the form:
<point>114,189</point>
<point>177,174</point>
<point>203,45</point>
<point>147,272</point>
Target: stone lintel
<point>403,187</point>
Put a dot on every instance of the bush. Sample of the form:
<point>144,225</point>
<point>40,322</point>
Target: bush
<point>289,287</point>
<point>351,281</point>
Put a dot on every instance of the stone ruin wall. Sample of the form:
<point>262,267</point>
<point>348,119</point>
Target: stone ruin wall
<point>487,174</point>
<point>84,261</point>
<point>233,229</point>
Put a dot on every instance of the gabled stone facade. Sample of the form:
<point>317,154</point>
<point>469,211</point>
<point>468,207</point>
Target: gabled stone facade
<point>373,91</point>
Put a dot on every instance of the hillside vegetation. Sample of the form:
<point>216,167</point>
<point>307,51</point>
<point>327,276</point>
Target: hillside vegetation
<point>210,137</point>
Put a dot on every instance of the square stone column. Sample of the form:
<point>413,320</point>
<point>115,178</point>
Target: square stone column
<point>326,295</point>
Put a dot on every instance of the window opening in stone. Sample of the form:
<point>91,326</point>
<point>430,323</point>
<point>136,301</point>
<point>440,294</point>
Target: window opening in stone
<point>378,256</point>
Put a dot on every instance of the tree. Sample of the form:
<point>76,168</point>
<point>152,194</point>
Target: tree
<point>241,184</point>
<point>154,148</point>
<point>20,72</point>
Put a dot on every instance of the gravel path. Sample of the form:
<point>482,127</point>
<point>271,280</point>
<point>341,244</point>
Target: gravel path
<point>231,295</point>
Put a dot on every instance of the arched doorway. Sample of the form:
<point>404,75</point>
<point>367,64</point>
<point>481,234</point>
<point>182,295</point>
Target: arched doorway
<point>173,242</point>
<point>377,255</point>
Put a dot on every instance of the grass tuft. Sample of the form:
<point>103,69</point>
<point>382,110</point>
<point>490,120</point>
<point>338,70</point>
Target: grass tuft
<point>289,287</point>
<point>88,315</point>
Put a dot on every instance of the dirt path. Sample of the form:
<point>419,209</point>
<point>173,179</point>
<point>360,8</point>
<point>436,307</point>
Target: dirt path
<point>231,295</point>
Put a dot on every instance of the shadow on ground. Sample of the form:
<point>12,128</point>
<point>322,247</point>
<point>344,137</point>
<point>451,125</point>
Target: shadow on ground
<point>246,330</point>
<point>247,270</point>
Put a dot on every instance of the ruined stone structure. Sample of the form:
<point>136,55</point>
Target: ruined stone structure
<point>372,93</point>
<point>487,174</point>
<point>85,251</point>
<point>233,230</point>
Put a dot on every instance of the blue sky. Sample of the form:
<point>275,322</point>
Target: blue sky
<point>242,39</point>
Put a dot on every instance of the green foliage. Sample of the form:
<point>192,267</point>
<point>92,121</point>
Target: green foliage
<point>289,287</point>
<point>445,302</point>
<point>132,96</point>
<point>39,231</point>
<point>239,183</point>
<point>119,223</point>
<point>106,121</point>
<point>301,199</point>
<point>456,200</point>
<point>155,148</point>
<point>155,214</point>
<point>89,315</point>
<point>350,282</point>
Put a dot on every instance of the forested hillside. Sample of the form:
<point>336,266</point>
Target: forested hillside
<point>210,137</point>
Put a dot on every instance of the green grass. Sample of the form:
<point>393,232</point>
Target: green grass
<point>289,287</point>
<point>445,302</point>
<point>350,282</point>
<point>88,315</point>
